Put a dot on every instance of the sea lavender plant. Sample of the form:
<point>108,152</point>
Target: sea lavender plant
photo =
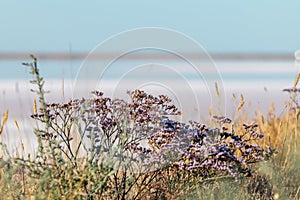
<point>123,149</point>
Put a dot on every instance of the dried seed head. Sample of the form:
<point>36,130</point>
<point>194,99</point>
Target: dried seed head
<point>233,96</point>
<point>17,125</point>
<point>242,97</point>
<point>272,108</point>
<point>262,119</point>
<point>5,116</point>
<point>240,106</point>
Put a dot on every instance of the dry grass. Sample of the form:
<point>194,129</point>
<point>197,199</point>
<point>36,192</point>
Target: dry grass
<point>4,120</point>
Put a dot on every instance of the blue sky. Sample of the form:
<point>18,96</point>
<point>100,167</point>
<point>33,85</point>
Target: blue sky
<point>233,26</point>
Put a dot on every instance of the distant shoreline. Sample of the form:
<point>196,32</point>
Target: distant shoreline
<point>65,56</point>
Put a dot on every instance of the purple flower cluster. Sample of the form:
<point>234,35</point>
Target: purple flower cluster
<point>207,152</point>
<point>143,131</point>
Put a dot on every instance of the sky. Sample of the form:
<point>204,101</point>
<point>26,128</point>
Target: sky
<point>232,26</point>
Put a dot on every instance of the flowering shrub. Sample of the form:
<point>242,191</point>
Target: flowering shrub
<point>119,129</point>
<point>101,148</point>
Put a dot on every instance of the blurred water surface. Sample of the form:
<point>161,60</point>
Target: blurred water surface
<point>261,83</point>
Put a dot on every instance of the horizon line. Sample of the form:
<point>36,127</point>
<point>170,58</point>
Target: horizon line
<point>63,56</point>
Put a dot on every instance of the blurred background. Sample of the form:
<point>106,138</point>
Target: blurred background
<point>252,44</point>
<point>65,32</point>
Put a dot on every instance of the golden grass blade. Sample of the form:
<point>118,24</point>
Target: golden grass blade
<point>34,107</point>
<point>262,119</point>
<point>217,89</point>
<point>211,111</point>
<point>5,117</point>
<point>17,125</point>
<point>272,108</point>
<point>21,140</point>
<point>297,80</point>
